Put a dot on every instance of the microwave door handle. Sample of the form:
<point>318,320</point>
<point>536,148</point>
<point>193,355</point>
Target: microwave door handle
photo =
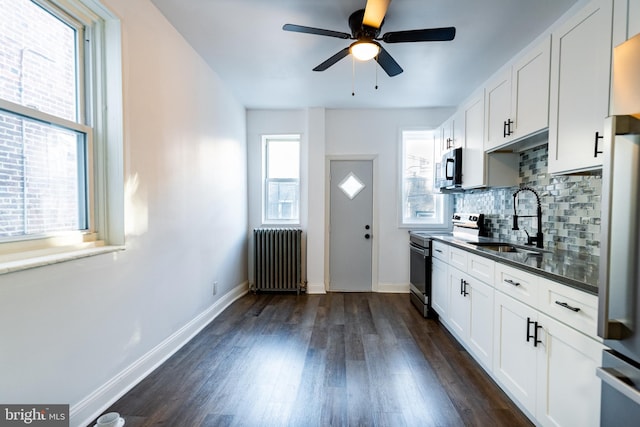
<point>447,169</point>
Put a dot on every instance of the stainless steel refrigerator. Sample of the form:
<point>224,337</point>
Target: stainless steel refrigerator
<point>619,288</point>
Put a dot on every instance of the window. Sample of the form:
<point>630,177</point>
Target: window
<point>52,127</point>
<point>421,204</point>
<point>281,172</point>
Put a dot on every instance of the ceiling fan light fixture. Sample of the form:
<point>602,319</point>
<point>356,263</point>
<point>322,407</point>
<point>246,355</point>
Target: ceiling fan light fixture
<point>364,50</point>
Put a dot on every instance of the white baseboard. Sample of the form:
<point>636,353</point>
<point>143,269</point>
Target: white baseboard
<point>89,408</point>
<point>316,288</point>
<point>392,288</point>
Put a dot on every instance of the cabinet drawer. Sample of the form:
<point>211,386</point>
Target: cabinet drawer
<point>458,258</point>
<point>440,250</point>
<point>519,284</point>
<point>571,306</point>
<point>481,268</point>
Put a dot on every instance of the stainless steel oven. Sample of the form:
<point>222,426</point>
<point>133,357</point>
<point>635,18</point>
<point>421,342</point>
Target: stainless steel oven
<point>465,225</point>
<point>420,272</point>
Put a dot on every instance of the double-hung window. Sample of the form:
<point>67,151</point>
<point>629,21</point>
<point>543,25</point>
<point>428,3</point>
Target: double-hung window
<point>281,179</point>
<point>421,204</point>
<point>52,83</point>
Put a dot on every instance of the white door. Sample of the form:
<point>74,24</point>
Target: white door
<point>350,226</point>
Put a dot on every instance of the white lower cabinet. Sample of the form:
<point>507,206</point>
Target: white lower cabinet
<point>568,390</point>
<point>439,287</point>
<point>548,367</point>
<point>480,336</point>
<point>470,314</point>
<point>514,361</point>
<point>534,335</point>
<point>458,304</point>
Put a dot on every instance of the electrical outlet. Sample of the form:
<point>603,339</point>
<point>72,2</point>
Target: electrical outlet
<point>215,287</point>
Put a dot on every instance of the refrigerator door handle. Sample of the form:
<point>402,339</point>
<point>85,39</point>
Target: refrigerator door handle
<point>619,382</point>
<point>618,223</point>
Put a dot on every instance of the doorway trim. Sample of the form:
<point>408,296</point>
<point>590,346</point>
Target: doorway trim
<point>327,214</point>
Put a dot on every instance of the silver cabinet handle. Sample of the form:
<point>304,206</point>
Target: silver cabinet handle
<point>618,381</point>
<point>511,282</point>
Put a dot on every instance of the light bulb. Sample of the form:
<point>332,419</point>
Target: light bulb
<point>364,50</point>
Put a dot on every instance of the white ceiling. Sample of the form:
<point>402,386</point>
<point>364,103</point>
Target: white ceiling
<point>267,67</point>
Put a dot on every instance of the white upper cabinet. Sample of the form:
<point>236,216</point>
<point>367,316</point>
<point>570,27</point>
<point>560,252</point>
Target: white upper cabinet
<point>498,110</point>
<point>473,152</point>
<point>580,79</point>
<point>517,99</point>
<point>480,169</point>
<point>530,91</point>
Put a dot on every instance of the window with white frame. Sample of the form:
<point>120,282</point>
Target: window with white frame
<point>281,179</point>
<point>53,128</point>
<point>421,203</point>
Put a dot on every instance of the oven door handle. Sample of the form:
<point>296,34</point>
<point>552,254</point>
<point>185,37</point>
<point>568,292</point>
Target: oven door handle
<point>418,249</point>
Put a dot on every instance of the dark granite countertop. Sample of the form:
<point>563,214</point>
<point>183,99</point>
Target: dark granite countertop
<point>569,268</point>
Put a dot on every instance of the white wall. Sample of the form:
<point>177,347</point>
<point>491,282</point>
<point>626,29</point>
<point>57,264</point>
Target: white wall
<point>344,132</point>
<point>80,331</point>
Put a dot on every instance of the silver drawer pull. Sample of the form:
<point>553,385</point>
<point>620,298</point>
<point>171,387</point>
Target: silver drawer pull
<point>438,250</point>
<point>567,306</point>
<point>511,282</point>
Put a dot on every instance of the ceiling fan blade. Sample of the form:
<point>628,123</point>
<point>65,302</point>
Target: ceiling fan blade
<point>388,64</point>
<point>335,58</point>
<point>425,35</point>
<point>374,12</point>
<point>318,31</point>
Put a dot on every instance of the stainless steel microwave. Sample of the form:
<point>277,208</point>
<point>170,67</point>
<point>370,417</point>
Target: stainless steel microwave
<point>449,175</point>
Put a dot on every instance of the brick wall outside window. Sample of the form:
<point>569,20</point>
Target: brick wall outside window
<point>39,174</point>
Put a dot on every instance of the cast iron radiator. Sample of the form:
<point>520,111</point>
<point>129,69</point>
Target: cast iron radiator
<point>277,259</point>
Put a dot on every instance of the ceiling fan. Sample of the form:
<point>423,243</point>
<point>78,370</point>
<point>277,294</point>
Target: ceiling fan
<point>365,27</point>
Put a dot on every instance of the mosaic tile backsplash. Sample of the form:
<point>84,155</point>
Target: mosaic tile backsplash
<point>570,206</point>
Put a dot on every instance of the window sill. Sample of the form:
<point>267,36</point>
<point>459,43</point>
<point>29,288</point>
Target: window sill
<point>41,258</point>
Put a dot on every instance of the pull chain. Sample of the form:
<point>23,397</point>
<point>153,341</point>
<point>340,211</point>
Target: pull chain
<point>376,65</point>
<point>353,76</point>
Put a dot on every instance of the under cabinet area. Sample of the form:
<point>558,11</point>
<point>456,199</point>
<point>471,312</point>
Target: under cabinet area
<point>535,336</point>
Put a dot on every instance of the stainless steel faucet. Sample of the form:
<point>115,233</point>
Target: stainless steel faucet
<point>538,240</point>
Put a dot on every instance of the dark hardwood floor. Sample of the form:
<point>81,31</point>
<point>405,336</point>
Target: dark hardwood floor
<point>341,359</point>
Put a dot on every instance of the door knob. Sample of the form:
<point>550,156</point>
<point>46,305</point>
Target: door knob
<point>366,227</point>
<point>366,236</point>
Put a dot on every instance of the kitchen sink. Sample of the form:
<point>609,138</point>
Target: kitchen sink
<point>508,247</point>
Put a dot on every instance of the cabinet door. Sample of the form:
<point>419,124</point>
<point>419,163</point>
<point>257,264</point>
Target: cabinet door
<point>438,145</point>
<point>530,90</point>
<point>439,287</point>
<point>514,358</point>
<point>458,303</point>
<point>497,110</point>
<point>447,135</point>
<point>579,101</point>
<point>480,335</point>
<point>473,159</point>
<point>458,130</point>
<point>569,391</point>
